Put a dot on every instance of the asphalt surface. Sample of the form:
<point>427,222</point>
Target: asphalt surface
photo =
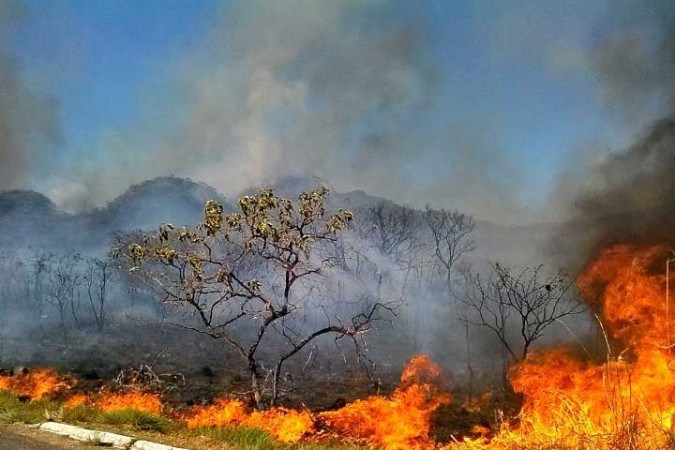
<point>23,438</point>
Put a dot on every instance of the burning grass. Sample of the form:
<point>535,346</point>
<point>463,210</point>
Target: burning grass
<point>399,421</point>
<point>626,401</point>
<point>34,384</point>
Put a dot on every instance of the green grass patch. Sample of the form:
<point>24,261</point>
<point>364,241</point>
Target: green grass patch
<point>81,413</point>
<point>326,447</point>
<point>241,437</point>
<point>137,420</point>
<point>255,439</point>
<point>12,410</point>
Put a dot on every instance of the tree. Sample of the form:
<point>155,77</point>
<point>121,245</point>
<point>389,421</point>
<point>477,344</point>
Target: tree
<point>525,301</point>
<point>96,279</point>
<point>392,227</point>
<point>62,281</point>
<point>251,275</point>
<point>451,233</point>
<point>395,231</point>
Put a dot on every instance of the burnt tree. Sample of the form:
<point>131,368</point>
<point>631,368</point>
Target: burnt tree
<point>519,306</point>
<point>251,275</point>
<point>451,237</point>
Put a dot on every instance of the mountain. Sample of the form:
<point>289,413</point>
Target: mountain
<point>510,244</point>
<point>29,219</point>
<point>145,206</point>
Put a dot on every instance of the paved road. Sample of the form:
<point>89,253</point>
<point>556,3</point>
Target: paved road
<point>23,438</point>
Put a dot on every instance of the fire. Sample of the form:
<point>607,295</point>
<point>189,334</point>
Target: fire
<point>34,384</point>
<point>627,401</point>
<point>223,412</point>
<point>76,400</point>
<point>286,425</point>
<point>137,400</point>
<point>400,421</point>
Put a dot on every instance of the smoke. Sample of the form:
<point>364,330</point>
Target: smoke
<point>630,195</point>
<point>29,121</point>
<point>279,88</point>
<point>635,61</point>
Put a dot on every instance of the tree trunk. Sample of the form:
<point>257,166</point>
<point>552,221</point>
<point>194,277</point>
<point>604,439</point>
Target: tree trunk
<point>255,385</point>
<point>275,383</point>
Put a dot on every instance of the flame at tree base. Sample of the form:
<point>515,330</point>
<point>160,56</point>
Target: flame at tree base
<point>397,422</point>
<point>626,402</point>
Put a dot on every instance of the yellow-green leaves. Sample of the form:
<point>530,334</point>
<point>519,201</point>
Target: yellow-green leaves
<point>312,203</point>
<point>339,220</point>
<point>167,254</point>
<point>213,216</point>
<point>268,227</point>
<point>197,270</point>
<point>137,252</point>
<point>252,205</point>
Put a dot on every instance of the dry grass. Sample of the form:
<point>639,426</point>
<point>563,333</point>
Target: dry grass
<point>147,426</point>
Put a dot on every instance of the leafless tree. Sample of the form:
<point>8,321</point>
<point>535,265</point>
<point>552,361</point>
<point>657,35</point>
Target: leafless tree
<point>451,234</point>
<point>38,269</point>
<point>392,227</point>
<point>525,303</point>
<point>252,274</point>
<point>62,281</point>
<point>96,280</point>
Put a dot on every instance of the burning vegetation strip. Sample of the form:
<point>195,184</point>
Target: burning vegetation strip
<point>622,397</point>
<point>401,420</point>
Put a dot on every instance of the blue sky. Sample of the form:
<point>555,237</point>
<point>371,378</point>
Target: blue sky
<point>510,100</point>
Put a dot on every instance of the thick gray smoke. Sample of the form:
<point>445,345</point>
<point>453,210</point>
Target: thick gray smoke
<point>630,195</point>
<point>636,62</point>
<point>293,84</point>
<point>283,88</point>
<point>28,120</point>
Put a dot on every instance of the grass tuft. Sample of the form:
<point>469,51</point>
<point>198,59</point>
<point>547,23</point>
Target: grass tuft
<point>241,437</point>
<point>12,410</point>
<point>81,413</point>
<point>136,419</point>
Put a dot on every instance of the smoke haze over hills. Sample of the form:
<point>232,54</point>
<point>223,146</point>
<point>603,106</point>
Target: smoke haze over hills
<point>415,102</point>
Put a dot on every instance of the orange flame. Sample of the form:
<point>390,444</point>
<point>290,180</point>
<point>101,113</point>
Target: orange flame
<point>286,425</point>
<point>222,413</point>
<point>136,400</point>
<point>34,384</point>
<point>626,402</point>
<point>400,421</point>
<point>76,400</point>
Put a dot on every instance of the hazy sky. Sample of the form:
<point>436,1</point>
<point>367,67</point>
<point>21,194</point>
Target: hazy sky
<point>478,105</point>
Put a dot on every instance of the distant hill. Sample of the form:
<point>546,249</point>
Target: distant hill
<point>146,205</point>
<point>30,219</point>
